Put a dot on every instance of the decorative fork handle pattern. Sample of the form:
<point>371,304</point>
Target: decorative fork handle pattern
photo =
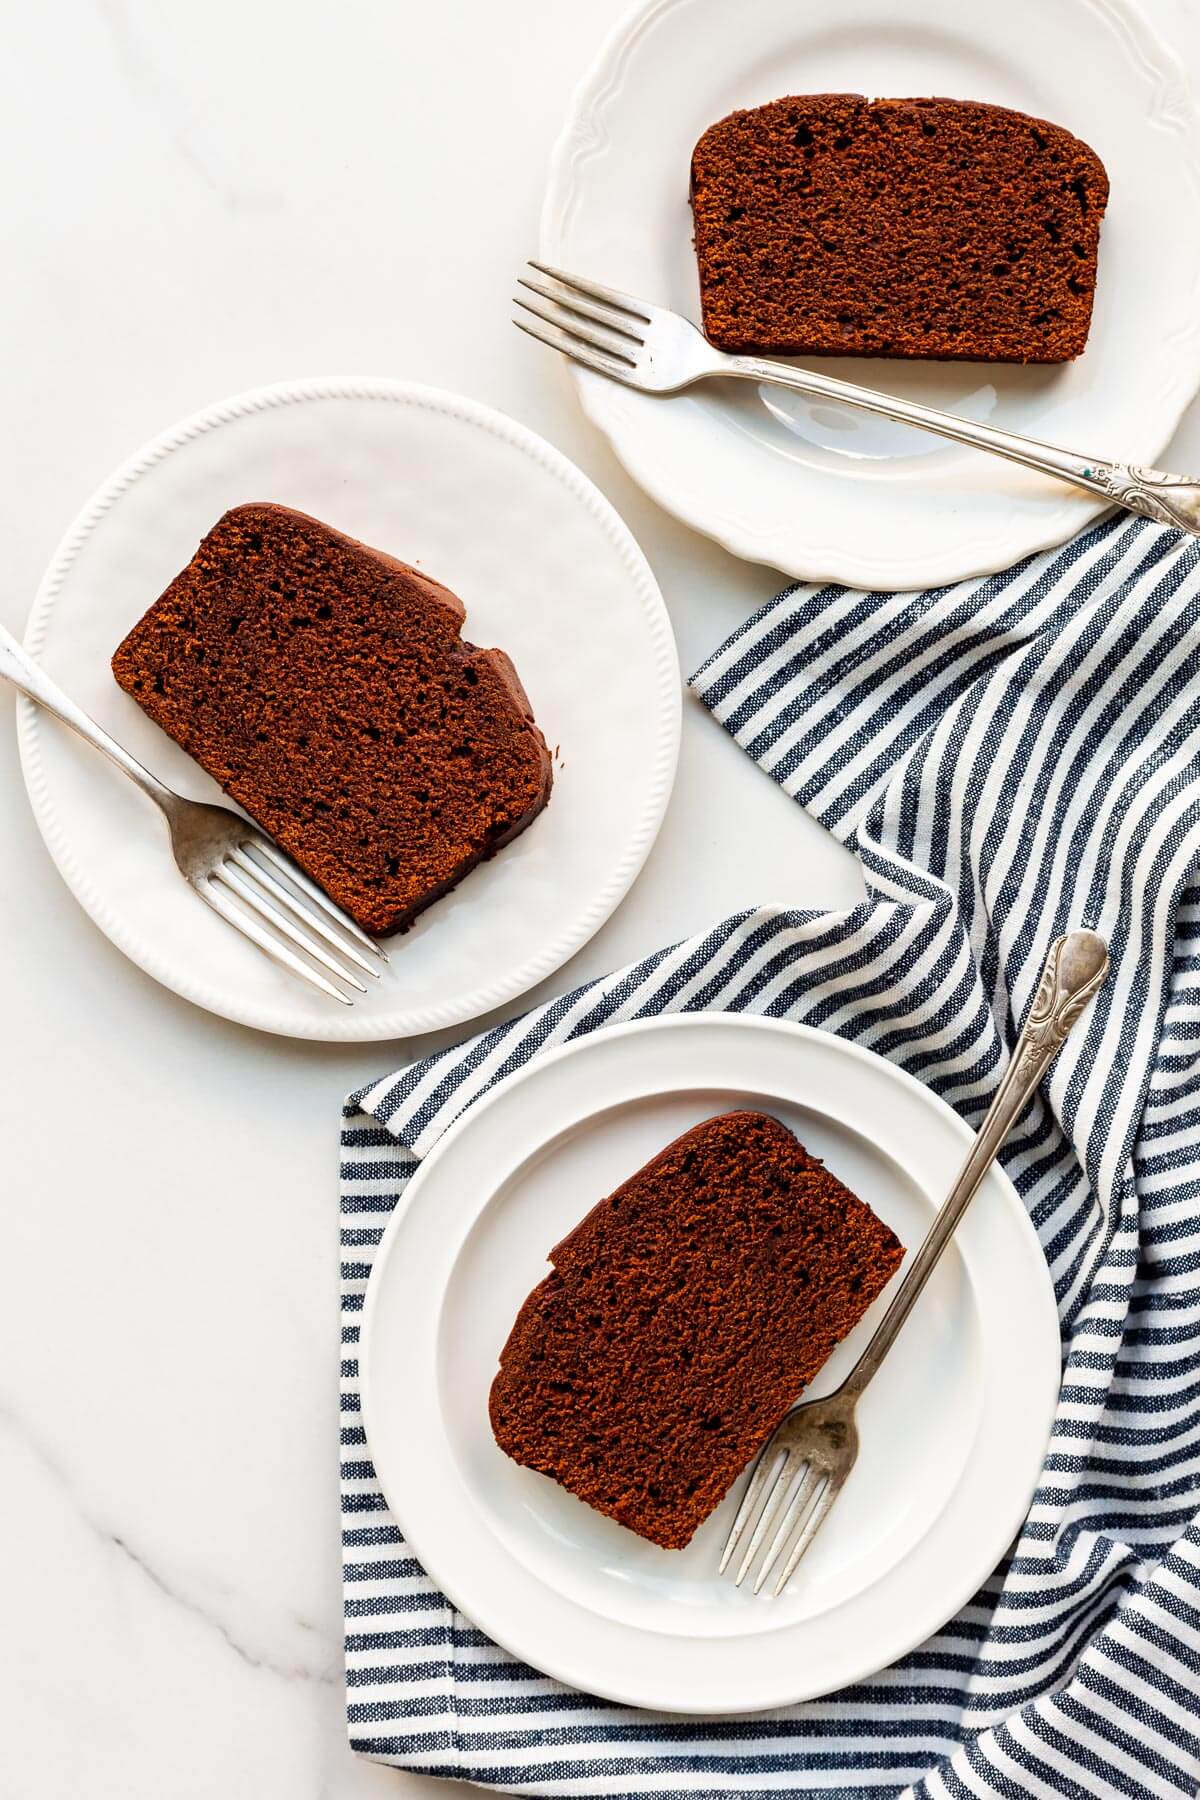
<point>1154,493</point>
<point>17,666</point>
<point>1170,499</point>
<point>1075,969</point>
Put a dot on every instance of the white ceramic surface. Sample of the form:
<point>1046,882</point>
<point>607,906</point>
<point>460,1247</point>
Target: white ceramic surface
<point>172,1613</point>
<point>546,570</point>
<point>815,489</point>
<point>953,1428</point>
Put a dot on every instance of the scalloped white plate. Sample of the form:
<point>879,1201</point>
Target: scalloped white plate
<point>814,489</point>
<point>547,571</point>
<point>953,1429</point>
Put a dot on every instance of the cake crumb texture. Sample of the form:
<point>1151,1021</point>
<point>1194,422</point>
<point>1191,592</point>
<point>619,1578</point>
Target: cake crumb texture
<point>328,689</point>
<point>829,224</point>
<point>682,1318</point>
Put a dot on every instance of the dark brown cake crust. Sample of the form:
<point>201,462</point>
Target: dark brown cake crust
<point>828,224</point>
<point>326,686</point>
<point>682,1318</point>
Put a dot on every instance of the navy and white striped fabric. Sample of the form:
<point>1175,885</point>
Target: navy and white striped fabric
<point>1008,758</point>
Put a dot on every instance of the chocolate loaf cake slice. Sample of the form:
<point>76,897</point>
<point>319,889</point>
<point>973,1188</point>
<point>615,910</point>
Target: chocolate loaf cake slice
<point>682,1318</point>
<point>329,690</point>
<point>829,224</point>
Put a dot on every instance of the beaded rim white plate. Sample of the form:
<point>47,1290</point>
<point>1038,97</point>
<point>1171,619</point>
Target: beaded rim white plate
<point>547,570</point>
<point>954,1428</point>
<point>813,489</point>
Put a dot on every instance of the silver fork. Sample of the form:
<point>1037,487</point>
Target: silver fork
<point>650,348</point>
<point>813,1450</point>
<point>228,860</point>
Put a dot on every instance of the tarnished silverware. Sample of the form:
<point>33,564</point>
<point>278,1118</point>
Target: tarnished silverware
<point>651,348</point>
<point>803,1467</point>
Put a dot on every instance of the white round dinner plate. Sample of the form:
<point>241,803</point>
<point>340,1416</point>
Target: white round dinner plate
<point>547,572</point>
<point>812,488</point>
<point>953,1429</point>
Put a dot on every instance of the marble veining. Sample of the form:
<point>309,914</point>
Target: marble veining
<point>211,198</point>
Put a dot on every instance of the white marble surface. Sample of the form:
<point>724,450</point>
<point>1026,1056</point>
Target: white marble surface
<point>202,198</point>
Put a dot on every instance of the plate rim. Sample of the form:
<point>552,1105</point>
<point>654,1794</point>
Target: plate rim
<point>583,135</point>
<point>350,1026</point>
<point>557,1666</point>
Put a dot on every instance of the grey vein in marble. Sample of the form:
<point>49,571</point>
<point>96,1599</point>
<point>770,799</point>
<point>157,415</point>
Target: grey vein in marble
<point>51,1466</point>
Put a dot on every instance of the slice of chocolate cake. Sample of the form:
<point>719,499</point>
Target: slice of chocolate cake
<point>682,1318</point>
<point>829,224</point>
<point>329,690</point>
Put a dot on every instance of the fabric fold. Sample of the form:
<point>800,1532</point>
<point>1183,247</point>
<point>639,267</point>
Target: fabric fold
<point>1007,758</point>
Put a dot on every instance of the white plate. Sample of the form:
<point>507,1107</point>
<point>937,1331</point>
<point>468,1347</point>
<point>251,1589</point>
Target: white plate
<point>815,489</point>
<point>547,571</point>
<point>954,1428</point>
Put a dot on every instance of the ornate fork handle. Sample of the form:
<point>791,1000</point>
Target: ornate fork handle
<point>1075,967</point>
<point>1154,493</point>
<point>1171,499</point>
<point>1070,978</point>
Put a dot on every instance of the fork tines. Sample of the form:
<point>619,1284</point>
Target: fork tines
<point>278,907</point>
<point>795,1503</point>
<point>598,326</point>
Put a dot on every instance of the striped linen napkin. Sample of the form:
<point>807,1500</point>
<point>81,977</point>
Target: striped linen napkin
<point>1007,757</point>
